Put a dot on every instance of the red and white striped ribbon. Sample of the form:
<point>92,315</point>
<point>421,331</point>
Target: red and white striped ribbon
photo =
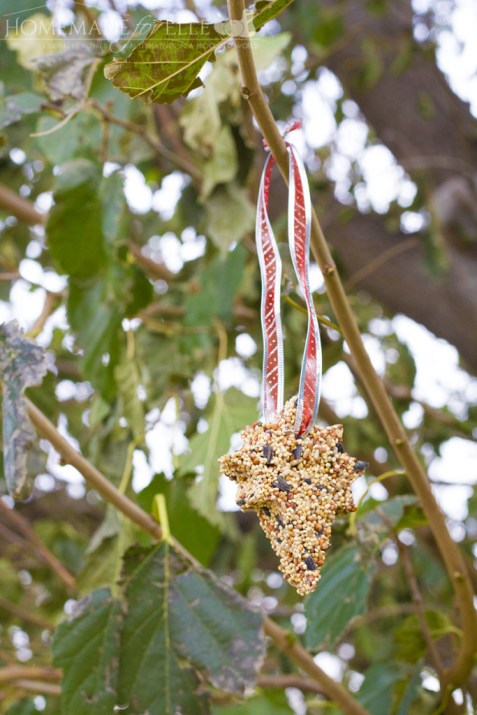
<point>271,272</point>
<point>299,228</point>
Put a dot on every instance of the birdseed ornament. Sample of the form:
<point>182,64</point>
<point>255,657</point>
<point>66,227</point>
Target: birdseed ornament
<point>293,473</point>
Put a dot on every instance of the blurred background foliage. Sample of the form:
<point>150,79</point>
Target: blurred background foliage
<point>127,252</point>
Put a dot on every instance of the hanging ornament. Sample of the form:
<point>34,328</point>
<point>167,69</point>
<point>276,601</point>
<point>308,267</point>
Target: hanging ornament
<point>293,473</point>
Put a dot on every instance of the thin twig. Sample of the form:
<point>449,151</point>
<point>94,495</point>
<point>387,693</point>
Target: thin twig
<point>374,386</point>
<point>334,690</point>
<point>154,143</point>
<point>11,673</point>
<point>152,268</point>
<point>415,592</point>
<point>381,260</point>
<point>24,615</point>
<point>37,686</point>
<point>289,680</point>
<point>10,276</point>
<point>48,306</point>
<point>419,603</point>
<point>92,475</point>
<point>23,209</point>
<point>166,123</point>
<point>43,551</point>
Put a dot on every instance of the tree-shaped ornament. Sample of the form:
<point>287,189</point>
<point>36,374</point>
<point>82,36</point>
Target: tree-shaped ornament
<point>293,473</point>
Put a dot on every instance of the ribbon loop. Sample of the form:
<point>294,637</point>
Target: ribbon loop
<point>299,229</point>
<point>271,272</point>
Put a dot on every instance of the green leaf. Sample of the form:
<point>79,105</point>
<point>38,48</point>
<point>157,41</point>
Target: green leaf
<point>128,382</point>
<point>408,690</point>
<point>79,137</point>
<point>173,623</point>
<point>399,513</point>
<point>201,117</point>
<point>179,614</point>
<point>269,11</point>
<point>219,283</point>
<point>22,364</point>
<point>329,28</point>
<point>376,692</point>
<point>79,250</point>
<point>266,49</point>
<point>231,412</point>
<point>22,707</point>
<point>340,597</point>
<point>95,316</point>
<point>410,643</point>
<point>230,215</point>
<point>184,521</point>
<point>86,648</point>
<point>166,64</point>
<point>102,563</point>
<point>113,204</point>
<point>223,164</point>
<point>14,107</point>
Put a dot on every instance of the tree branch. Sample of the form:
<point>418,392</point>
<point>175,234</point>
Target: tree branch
<point>92,475</point>
<point>127,507</point>
<point>23,209</point>
<point>287,643</point>
<point>24,615</point>
<point>289,680</point>
<point>415,592</point>
<point>153,269</point>
<point>373,385</point>
<point>48,307</point>
<point>37,686</point>
<point>175,159</point>
<point>418,602</point>
<point>43,552</point>
<point>10,673</point>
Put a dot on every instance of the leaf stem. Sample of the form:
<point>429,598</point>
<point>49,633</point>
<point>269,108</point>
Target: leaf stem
<point>372,383</point>
<point>92,475</point>
<point>159,511</point>
<point>141,131</point>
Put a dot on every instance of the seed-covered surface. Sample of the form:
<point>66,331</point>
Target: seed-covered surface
<point>297,486</point>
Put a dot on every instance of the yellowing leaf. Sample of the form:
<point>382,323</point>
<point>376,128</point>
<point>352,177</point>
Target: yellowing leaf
<point>34,38</point>
<point>166,64</point>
